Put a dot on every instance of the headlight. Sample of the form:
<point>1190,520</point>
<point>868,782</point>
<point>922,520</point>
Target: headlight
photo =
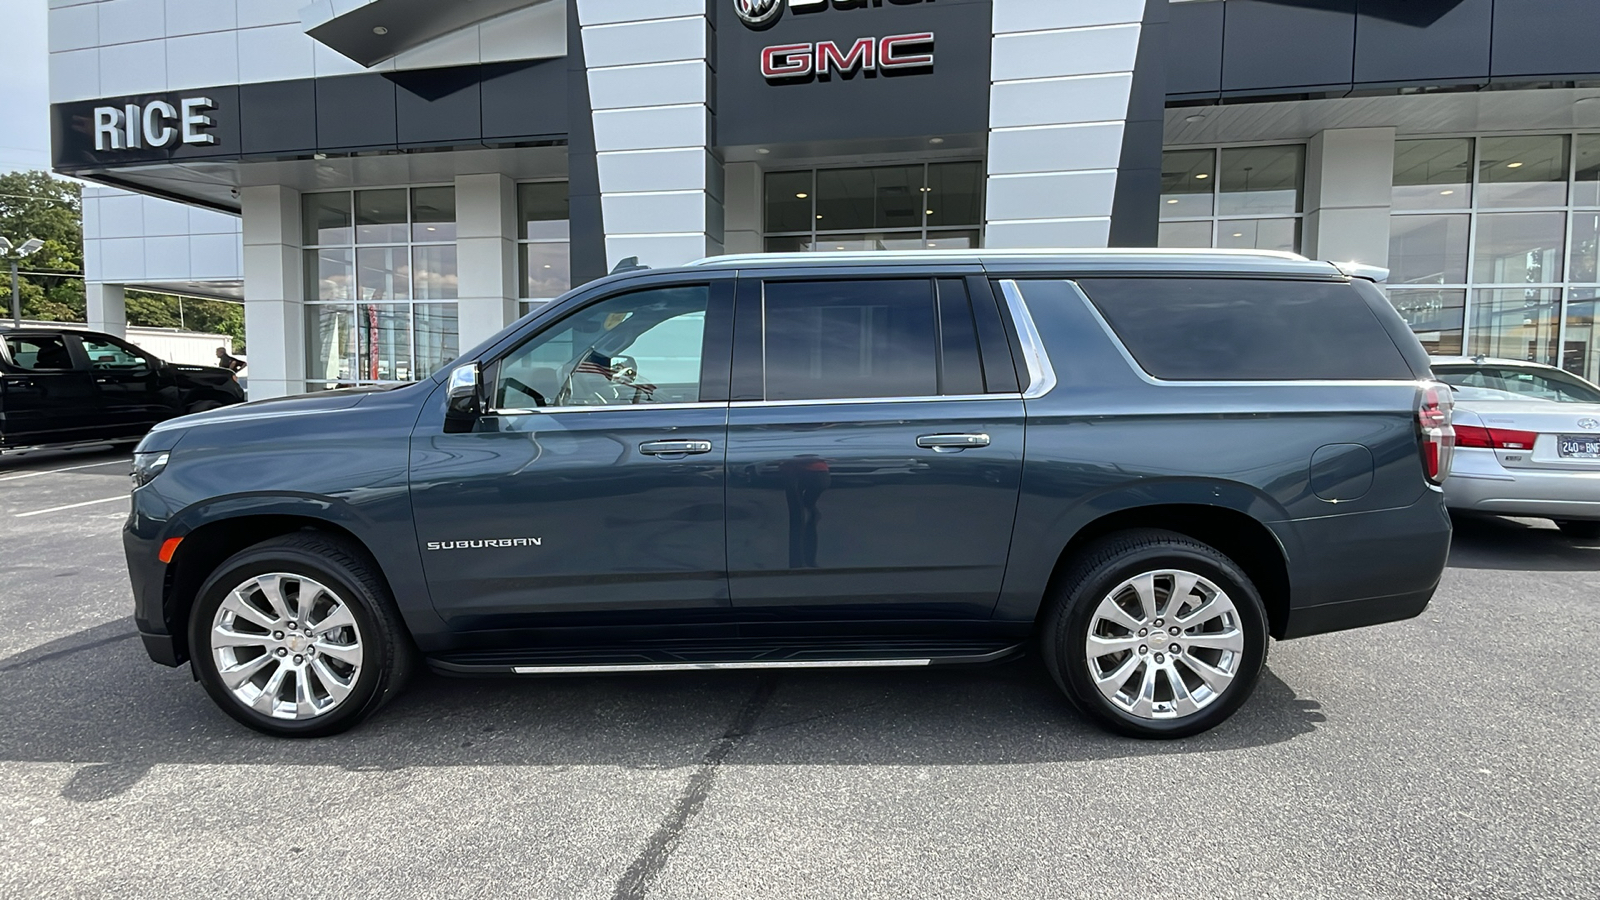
<point>147,466</point>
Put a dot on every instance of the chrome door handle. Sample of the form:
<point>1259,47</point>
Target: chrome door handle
<point>674,448</point>
<point>950,443</point>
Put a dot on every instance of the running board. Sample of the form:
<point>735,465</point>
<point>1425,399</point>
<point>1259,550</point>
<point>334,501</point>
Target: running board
<point>598,661</point>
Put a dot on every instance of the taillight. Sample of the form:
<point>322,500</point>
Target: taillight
<point>1434,406</point>
<point>1494,438</point>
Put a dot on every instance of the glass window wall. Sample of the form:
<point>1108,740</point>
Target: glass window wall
<point>909,207</point>
<point>545,257</point>
<point>1495,246</point>
<point>380,285</point>
<point>1246,198</point>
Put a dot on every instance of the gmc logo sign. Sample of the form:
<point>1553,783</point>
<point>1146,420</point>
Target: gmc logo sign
<point>895,53</point>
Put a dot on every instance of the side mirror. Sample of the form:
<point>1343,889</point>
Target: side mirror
<point>465,400</point>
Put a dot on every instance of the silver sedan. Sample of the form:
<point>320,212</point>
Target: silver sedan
<point>1527,442</point>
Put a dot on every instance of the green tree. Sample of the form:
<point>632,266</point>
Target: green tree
<point>169,311</point>
<point>36,205</point>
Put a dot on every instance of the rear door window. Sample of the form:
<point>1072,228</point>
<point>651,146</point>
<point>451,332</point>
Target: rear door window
<point>43,353</point>
<point>1236,329</point>
<point>844,340</point>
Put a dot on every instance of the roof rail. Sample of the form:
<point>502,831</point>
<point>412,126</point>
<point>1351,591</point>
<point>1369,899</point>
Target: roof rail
<point>889,257</point>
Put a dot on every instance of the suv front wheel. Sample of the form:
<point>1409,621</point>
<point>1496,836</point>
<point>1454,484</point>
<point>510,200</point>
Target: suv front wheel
<point>298,637</point>
<point>1155,635</point>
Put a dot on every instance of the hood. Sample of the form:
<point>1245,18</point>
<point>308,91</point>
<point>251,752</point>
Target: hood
<point>274,408</point>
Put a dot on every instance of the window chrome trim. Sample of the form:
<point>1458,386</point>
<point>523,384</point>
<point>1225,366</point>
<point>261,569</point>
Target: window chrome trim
<point>548,410</point>
<point>1147,378</point>
<point>1041,375</point>
<point>844,401</point>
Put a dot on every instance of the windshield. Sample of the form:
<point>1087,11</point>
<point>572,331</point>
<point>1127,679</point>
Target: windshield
<point>1522,383</point>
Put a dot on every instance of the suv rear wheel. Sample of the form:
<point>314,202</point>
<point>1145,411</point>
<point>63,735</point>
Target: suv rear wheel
<point>297,637</point>
<point>1155,635</point>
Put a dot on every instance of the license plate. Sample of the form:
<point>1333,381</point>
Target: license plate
<point>1578,446</point>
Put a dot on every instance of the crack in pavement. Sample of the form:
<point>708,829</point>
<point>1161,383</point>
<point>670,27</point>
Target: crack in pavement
<point>635,882</point>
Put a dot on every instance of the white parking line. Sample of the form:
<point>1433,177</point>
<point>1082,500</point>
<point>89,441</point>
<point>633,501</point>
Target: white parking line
<point>40,512</point>
<point>63,469</point>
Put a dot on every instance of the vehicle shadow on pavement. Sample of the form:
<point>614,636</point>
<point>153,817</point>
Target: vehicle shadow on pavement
<point>19,462</point>
<point>92,699</point>
<point>1519,545</point>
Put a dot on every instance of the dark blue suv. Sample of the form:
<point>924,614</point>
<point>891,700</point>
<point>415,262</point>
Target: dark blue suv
<point>1138,464</point>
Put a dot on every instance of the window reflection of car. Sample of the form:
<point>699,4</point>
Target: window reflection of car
<point>1528,442</point>
<point>67,386</point>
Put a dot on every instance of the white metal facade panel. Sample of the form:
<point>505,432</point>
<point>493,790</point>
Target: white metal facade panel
<point>1058,63</point>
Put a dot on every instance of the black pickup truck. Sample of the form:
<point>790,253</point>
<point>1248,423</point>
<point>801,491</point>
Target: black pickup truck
<point>62,386</point>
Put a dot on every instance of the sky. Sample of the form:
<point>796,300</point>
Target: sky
<point>24,85</point>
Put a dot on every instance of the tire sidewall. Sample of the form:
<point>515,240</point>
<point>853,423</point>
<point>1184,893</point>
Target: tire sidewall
<point>1072,670</point>
<point>263,560</point>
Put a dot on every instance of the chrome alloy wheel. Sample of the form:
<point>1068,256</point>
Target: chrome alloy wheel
<point>286,646</point>
<point>1164,644</point>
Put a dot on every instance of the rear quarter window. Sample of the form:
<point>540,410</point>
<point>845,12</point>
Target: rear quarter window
<point>1222,329</point>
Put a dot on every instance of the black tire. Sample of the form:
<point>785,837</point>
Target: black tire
<point>346,569</point>
<point>1582,529</point>
<point>1094,574</point>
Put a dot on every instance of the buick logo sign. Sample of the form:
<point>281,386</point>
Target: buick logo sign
<point>1590,424</point>
<point>757,12</point>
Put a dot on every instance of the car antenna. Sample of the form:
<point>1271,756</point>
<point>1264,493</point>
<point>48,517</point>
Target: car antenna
<point>631,264</point>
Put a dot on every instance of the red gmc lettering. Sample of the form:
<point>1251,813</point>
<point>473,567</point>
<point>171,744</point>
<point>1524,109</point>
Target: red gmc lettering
<point>863,53</point>
<point>897,51</point>
<point>786,61</point>
<point>889,51</point>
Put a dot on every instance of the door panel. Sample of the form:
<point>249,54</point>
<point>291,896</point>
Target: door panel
<point>617,529</point>
<point>876,478</point>
<point>47,398</point>
<point>128,386</point>
<point>592,491</point>
<point>835,509</point>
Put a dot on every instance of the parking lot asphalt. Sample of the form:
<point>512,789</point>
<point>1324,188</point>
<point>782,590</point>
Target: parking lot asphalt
<point>1455,755</point>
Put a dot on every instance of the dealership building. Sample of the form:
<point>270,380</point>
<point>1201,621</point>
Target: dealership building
<point>385,182</point>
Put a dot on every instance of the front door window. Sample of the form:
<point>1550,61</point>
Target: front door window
<point>635,349</point>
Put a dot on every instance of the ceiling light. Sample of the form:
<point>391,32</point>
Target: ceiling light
<point>801,196</point>
<point>1446,193</point>
<point>927,190</point>
<point>930,212</point>
<point>380,30</point>
<point>763,151</point>
<point>1513,165</point>
<point>935,140</point>
<point>431,228</point>
<point>819,218</point>
<point>1197,117</point>
<point>1238,234</point>
<point>1202,175</point>
<point>1171,202</point>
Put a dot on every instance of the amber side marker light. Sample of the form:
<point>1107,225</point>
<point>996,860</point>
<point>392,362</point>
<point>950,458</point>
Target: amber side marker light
<point>168,548</point>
